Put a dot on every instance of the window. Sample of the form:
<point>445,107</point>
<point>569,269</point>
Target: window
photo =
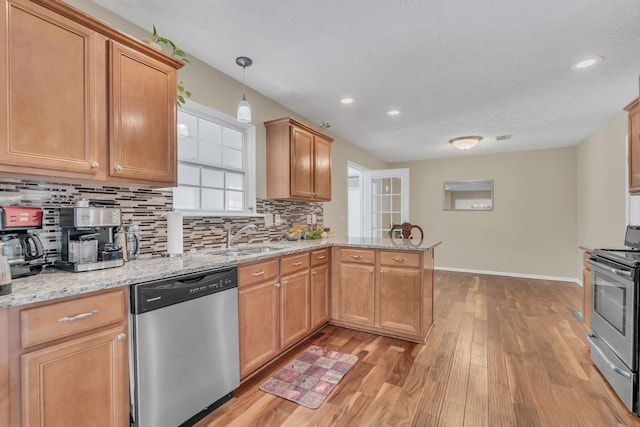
<point>216,163</point>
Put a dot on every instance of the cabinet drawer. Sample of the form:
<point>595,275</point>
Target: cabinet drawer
<point>292,263</point>
<point>319,257</point>
<point>361,256</point>
<point>251,274</point>
<point>49,322</point>
<point>586,256</point>
<point>405,259</point>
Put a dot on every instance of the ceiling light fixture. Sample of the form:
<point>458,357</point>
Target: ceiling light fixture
<point>393,112</point>
<point>465,142</point>
<point>244,108</point>
<point>348,100</point>
<point>586,63</point>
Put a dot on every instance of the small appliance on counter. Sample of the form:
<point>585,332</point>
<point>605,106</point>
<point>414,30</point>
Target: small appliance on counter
<point>89,240</point>
<point>22,249</point>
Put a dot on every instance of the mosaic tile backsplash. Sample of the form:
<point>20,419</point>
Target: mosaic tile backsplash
<point>147,208</point>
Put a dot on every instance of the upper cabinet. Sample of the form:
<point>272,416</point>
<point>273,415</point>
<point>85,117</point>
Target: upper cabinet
<point>634,147</point>
<point>298,161</point>
<point>73,103</point>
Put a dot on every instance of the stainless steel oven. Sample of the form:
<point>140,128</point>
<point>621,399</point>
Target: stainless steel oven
<point>615,347</point>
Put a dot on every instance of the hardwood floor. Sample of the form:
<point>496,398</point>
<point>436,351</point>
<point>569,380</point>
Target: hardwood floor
<point>503,352</point>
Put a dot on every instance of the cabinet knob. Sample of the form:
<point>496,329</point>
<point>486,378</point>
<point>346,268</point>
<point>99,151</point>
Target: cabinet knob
<point>313,273</point>
<point>284,282</point>
<point>120,337</point>
<point>277,285</point>
<point>95,165</point>
<point>371,270</point>
<point>381,271</point>
<point>118,168</point>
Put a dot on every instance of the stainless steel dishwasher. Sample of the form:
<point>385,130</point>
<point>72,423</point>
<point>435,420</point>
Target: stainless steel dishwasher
<point>184,358</point>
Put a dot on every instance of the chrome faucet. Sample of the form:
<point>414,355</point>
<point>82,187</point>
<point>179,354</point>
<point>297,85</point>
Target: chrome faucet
<point>231,238</point>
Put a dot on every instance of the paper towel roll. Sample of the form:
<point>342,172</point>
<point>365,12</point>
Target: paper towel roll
<point>174,233</point>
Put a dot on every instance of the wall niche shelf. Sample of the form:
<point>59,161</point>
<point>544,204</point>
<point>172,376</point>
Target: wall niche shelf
<point>468,195</point>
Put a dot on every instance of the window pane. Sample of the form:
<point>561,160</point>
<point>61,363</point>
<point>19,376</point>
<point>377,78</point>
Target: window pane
<point>187,148</point>
<point>212,178</point>
<point>232,158</point>
<point>210,153</point>
<point>188,174</point>
<point>210,132</point>
<point>212,200</point>
<point>235,200</point>
<point>235,181</point>
<point>232,138</point>
<point>186,198</point>
<point>191,123</point>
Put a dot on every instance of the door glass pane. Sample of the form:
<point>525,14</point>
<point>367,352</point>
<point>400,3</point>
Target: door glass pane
<point>385,186</point>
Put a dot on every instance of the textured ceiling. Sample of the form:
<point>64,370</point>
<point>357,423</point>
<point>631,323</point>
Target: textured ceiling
<point>457,67</point>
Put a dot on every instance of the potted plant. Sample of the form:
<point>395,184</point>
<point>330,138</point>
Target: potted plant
<point>157,41</point>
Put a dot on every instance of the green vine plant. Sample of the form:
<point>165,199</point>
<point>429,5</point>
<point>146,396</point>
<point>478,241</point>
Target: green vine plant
<point>176,52</point>
<point>325,126</point>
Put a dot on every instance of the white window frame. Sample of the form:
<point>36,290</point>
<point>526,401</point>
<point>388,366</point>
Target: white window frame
<point>249,131</point>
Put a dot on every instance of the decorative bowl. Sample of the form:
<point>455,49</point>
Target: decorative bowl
<point>292,236</point>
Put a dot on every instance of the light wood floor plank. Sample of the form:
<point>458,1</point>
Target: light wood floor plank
<point>504,352</point>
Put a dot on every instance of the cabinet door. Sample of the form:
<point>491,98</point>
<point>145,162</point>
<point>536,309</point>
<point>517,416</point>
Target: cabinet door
<point>294,308</point>
<point>400,299</point>
<point>82,382</point>
<point>320,300</point>
<point>49,90</point>
<point>634,150</point>
<point>357,293</point>
<point>258,323</point>
<point>143,117</point>
<point>301,163</point>
<point>322,171</point>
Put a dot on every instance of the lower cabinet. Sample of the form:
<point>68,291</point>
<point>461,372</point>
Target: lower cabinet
<point>294,307</point>
<point>320,288</point>
<point>69,362</point>
<point>386,292</point>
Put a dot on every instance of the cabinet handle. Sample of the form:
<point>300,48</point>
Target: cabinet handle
<point>295,264</point>
<point>77,317</point>
<point>277,285</point>
<point>356,256</point>
<point>398,259</point>
<point>95,165</point>
<point>120,337</point>
<point>118,168</point>
<point>320,257</point>
<point>258,274</point>
<point>284,282</point>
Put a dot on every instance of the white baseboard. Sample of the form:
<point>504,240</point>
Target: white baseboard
<point>510,274</point>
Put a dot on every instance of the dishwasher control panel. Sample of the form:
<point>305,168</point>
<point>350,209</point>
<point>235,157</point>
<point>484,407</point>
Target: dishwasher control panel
<point>151,296</point>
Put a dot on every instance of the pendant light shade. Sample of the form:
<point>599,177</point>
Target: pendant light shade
<point>244,108</point>
<point>465,142</point>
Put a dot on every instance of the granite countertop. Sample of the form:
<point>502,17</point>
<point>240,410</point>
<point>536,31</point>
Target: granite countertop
<point>53,283</point>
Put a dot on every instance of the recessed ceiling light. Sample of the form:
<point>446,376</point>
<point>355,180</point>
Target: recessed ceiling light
<point>393,112</point>
<point>586,63</point>
<point>348,100</point>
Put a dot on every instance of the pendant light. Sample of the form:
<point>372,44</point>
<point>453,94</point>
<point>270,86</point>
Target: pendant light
<point>244,108</point>
<point>465,142</point>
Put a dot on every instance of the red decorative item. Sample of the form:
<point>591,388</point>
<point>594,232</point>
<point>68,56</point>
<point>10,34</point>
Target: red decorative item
<point>405,230</point>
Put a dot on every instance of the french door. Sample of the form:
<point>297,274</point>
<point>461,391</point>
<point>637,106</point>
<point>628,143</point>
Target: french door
<point>386,200</point>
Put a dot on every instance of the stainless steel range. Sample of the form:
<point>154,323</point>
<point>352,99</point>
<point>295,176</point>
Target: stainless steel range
<point>615,277</point>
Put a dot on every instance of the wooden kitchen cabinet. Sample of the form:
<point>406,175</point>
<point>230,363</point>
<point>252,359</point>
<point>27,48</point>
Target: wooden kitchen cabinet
<point>387,292</point>
<point>69,361</point>
<point>356,286</point>
<point>50,95</point>
<point>294,298</point>
<point>320,288</point>
<point>80,100</point>
<point>634,146</point>
<point>145,89</point>
<point>298,161</point>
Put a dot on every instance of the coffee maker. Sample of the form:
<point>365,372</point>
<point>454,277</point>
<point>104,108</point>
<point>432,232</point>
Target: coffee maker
<point>89,240</point>
<point>22,248</point>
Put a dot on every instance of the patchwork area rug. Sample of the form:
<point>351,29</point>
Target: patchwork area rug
<point>310,377</point>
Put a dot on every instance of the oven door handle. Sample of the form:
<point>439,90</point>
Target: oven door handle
<point>613,367</point>
<point>616,271</point>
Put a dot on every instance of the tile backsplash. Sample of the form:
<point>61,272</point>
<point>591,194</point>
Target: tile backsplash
<point>147,208</point>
